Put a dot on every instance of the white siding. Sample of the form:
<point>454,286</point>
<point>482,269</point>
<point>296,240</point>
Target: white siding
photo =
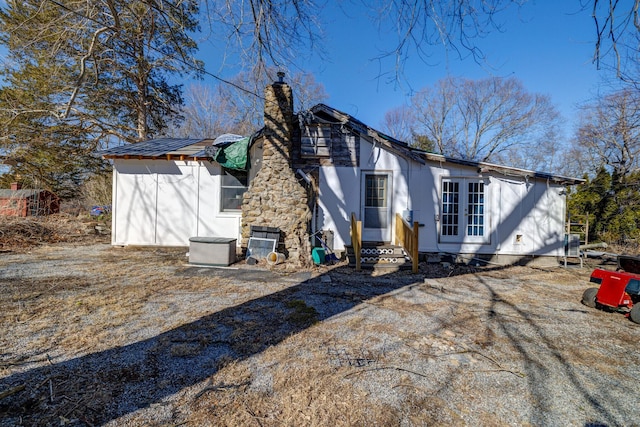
<point>134,202</point>
<point>177,203</point>
<point>523,216</point>
<point>339,196</point>
<point>212,222</point>
<point>157,202</point>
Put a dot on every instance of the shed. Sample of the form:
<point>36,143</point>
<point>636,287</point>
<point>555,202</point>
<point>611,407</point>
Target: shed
<point>27,202</point>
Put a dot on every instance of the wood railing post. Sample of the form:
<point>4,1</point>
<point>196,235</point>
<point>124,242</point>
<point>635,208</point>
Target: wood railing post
<point>356,239</point>
<point>414,247</point>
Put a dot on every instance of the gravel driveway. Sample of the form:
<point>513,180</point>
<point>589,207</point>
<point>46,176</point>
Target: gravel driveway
<point>95,335</point>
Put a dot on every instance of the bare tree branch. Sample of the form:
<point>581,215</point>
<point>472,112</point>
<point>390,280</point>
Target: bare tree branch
<point>610,132</point>
<point>83,69</point>
<point>484,119</point>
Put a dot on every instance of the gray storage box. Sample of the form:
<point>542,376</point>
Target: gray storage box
<point>212,250</point>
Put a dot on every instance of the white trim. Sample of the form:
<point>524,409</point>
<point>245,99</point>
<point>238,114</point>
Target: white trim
<point>377,234</point>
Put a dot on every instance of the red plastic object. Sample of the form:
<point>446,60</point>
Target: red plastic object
<point>612,287</point>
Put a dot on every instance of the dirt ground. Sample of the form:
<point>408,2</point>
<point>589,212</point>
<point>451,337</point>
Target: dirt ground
<point>98,335</point>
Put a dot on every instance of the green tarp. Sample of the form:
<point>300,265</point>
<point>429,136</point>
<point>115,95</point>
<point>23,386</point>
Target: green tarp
<point>234,156</point>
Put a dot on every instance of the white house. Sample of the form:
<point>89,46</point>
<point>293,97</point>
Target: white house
<point>168,190</point>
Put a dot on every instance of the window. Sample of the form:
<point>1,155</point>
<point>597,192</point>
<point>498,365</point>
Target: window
<point>475,209</point>
<point>376,214</point>
<point>232,188</point>
<point>316,141</point>
<point>450,217</point>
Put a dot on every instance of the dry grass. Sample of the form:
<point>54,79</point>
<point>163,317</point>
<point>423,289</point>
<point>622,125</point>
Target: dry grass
<point>19,234</point>
<point>99,335</point>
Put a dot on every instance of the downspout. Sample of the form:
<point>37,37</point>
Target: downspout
<point>498,225</point>
<point>199,163</point>
<point>438,184</point>
<point>408,205</point>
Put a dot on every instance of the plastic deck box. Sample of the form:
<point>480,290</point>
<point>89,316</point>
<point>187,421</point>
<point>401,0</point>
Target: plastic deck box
<point>219,251</point>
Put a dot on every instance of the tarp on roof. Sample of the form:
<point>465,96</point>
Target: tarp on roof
<point>231,151</point>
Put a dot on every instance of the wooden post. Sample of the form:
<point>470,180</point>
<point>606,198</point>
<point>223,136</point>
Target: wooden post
<point>359,254</point>
<point>586,231</point>
<point>414,248</point>
<point>356,239</point>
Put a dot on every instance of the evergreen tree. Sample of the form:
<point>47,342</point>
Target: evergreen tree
<point>82,75</point>
<point>612,202</point>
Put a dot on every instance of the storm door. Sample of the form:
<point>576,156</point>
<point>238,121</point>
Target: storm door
<point>376,209</point>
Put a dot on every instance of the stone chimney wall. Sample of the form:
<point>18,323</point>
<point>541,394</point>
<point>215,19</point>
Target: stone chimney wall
<point>275,197</point>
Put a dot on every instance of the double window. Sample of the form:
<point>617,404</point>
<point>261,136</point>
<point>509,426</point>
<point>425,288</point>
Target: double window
<point>233,186</point>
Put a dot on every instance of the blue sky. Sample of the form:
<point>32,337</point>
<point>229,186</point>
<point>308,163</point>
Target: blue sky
<point>547,44</point>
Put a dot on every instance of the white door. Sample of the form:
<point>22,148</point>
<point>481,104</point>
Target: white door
<point>376,206</point>
<point>463,211</point>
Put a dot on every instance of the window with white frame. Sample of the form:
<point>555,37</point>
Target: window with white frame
<point>450,219</point>
<point>233,185</point>
<point>475,209</point>
<point>376,212</point>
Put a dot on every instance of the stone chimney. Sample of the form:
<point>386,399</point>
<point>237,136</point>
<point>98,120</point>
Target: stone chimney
<point>275,197</point>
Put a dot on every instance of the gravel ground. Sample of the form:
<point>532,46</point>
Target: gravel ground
<point>95,335</point>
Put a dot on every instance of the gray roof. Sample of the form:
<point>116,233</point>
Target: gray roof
<point>194,148</point>
<point>421,156</point>
<point>162,147</point>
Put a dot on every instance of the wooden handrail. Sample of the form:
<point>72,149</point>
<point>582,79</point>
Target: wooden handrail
<point>356,238</point>
<point>407,237</point>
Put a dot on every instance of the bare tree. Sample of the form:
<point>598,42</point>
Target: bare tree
<point>433,110</point>
<point>285,32</point>
<point>201,112</point>
<point>97,37</point>
<point>238,107</point>
<point>399,122</point>
<point>545,155</point>
<point>617,26</point>
<point>485,119</point>
<point>266,33</point>
<point>576,162</point>
<point>609,140</point>
<point>454,25</point>
<point>609,132</point>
